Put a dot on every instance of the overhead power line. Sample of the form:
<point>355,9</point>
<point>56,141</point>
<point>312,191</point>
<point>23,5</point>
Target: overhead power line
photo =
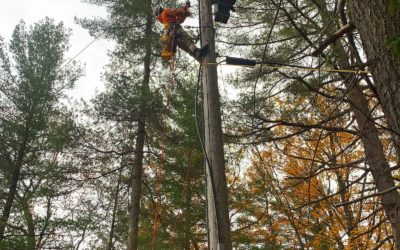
<point>243,62</point>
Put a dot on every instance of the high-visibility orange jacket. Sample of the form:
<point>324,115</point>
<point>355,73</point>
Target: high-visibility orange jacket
<point>169,16</point>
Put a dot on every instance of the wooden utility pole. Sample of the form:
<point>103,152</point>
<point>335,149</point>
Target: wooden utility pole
<point>218,213</point>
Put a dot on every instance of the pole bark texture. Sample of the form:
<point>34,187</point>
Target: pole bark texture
<point>218,213</point>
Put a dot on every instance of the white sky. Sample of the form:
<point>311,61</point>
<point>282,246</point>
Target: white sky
<point>94,57</point>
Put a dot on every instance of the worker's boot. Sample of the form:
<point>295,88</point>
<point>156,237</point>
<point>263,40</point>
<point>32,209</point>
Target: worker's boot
<point>202,51</point>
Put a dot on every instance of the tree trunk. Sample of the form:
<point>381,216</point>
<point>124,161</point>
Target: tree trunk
<point>373,148</point>
<point>136,183</point>
<point>12,191</point>
<point>136,186</point>
<point>114,213</point>
<point>31,237</point>
<point>376,26</point>
<point>368,19</point>
<point>376,160</point>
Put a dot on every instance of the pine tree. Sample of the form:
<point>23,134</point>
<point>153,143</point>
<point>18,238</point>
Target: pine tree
<point>32,82</point>
<point>131,25</point>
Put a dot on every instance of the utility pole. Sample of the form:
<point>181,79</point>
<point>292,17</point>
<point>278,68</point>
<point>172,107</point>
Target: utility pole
<point>217,212</point>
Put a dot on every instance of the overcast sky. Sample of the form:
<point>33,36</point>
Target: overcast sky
<point>31,11</point>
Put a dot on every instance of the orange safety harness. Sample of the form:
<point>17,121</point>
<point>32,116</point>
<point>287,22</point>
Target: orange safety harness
<point>170,18</point>
<point>169,43</point>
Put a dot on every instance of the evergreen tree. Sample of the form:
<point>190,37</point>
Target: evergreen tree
<point>31,84</point>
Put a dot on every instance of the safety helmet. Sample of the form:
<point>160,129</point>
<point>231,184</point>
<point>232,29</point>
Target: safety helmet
<point>158,10</point>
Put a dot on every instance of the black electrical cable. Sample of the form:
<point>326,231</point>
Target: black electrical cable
<point>198,130</point>
<point>203,149</point>
<point>208,165</point>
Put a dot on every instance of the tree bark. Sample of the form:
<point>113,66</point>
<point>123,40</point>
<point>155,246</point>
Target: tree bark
<point>382,71</point>
<point>31,237</point>
<point>114,213</point>
<point>136,186</point>
<point>376,160</point>
<point>373,149</point>
<point>12,191</point>
<point>136,182</point>
<point>376,26</point>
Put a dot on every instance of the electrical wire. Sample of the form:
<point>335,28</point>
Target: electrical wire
<point>198,130</point>
<point>277,66</point>
<point>88,45</point>
<point>81,51</point>
<point>207,165</point>
<point>202,148</point>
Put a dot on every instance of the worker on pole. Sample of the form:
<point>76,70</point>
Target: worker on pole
<point>175,35</point>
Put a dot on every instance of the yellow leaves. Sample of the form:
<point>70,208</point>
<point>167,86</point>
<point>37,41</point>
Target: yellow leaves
<point>255,190</point>
<point>316,243</point>
<point>344,137</point>
<point>336,228</point>
<point>307,191</point>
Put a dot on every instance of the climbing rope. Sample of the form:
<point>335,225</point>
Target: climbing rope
<point>158,170</point>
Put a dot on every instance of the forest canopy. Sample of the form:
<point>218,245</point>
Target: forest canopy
<point>311,133</point>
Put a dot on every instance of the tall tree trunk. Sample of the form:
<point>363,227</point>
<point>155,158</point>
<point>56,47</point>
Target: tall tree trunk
<point>110,239</point>
<point>369,134</point>
<point>136,186</point>
<point>376,26</point>
<point>12,191</point>
<point>376,160</point>
<point>136,183</point>
<point>31,237</point>
<point>373,148</point>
